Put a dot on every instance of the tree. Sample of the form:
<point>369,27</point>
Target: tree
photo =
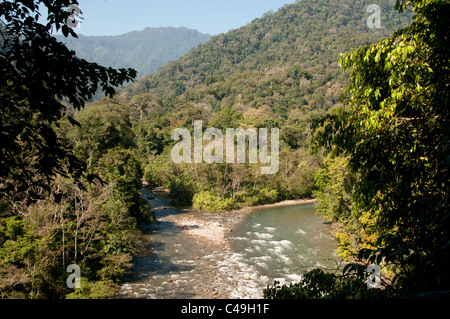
<point>38,73</point>
<point>334,192</point>
<point>103,126</point>
<point>396,132</point>
<point>122,169</point>
<point>226,118</point>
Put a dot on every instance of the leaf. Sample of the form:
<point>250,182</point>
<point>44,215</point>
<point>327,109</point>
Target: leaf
<point>73,121</point>
<point>65,31</point>
<point>72,33</point>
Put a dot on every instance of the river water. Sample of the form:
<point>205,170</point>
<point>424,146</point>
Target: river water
<point>268,244</point>
<point>284,242</point>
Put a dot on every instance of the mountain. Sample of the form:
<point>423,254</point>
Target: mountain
<point>146,51</point>
<point>284,61</point>
<point>279,71</point>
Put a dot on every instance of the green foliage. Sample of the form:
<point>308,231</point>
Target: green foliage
<point>284,61</point>
<point>226,118</point>
<point>103,125</point>
<point>334,190</point>
<point>181,191</point>
<point>93,228</point>
<point>18,243</point>
<point>123,171</point>
<point>159,170</point>
<point>37,73</point>
<point>294,137</point>
<point>396,133</point>
<point>207,200</point>
<point>94,290</point>
<point>53,212</point>
<point>121,167</point>
<point>151,137</point>
<point>262,196</point>
<point>280,71</point>
<point>334,194</point>
<point>317,284</point>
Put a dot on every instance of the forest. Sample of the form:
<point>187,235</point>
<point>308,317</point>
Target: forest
<point>363,119</point>
<point>262,75</point>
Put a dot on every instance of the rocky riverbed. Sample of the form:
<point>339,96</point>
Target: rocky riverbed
<point>187,255</point>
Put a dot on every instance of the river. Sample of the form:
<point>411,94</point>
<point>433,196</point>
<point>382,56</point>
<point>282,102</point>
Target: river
<point>190,254</point>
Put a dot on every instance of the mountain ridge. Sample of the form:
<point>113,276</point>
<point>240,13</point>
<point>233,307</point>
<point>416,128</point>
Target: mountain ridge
<point>279,71</point>
<point>284,60</point>
<point>146,50</point>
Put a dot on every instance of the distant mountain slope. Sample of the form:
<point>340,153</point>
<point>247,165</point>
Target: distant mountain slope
<point>146,51</point>
<point>279,71</point>
<point>282,61</point>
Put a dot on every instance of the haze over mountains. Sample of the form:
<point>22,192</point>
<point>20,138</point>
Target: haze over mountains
<point>146,50</point>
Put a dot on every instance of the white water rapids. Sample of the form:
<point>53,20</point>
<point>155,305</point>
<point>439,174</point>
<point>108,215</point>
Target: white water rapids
<point>270,244</point>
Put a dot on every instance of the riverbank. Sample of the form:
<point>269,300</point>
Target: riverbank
<point>186,254</point>
<point>294,202</point>
<point>199,224</point>
<point>191,254</point>
<point>217,232</point>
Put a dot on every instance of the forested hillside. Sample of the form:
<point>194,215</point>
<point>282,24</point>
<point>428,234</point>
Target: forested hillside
<point>145,51</point>
<point>285,60</point>
<point>279,71</point>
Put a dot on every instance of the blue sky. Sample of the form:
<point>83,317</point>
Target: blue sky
<point>114,17</point>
